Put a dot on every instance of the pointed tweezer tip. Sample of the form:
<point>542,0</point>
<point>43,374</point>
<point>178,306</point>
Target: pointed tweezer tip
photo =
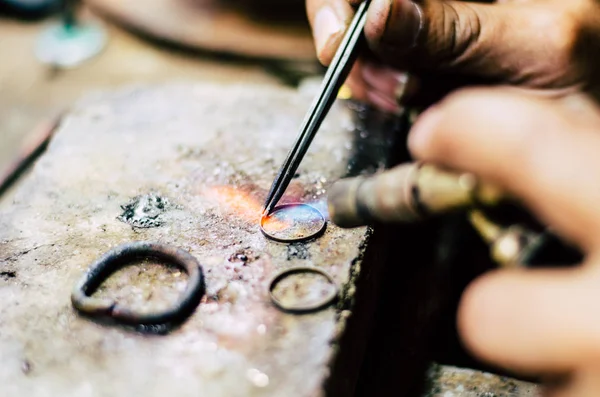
<point>265,210</point>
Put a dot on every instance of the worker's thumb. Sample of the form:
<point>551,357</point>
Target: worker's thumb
<point>433,34</point>
<point>533,321</point>
<point>491,41</point>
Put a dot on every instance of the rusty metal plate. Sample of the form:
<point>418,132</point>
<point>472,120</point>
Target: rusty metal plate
<point>209,152</point>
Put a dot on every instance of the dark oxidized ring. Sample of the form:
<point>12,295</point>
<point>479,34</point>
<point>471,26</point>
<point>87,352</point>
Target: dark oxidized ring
<point>312,209</point>
<point>123,255</point>
<point>326,301</point>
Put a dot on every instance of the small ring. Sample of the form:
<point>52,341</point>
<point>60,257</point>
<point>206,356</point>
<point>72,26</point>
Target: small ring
<point>119,257</point>
<point>294,240</point>
<point>329,299</point>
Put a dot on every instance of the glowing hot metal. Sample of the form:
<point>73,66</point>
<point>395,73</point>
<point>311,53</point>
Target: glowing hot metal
<point>293,223</point>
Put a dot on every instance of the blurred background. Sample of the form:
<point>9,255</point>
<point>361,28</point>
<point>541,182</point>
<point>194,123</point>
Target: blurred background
<point>54,52</point>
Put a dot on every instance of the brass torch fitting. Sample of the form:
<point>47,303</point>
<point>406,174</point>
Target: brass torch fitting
<point>406,193</point>
<point>509,245</point>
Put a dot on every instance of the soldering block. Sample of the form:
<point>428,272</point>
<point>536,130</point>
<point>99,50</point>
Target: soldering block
<point>211,152</point>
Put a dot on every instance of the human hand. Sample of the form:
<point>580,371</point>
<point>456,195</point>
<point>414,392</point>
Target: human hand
<point>545,153</point>
<point>536,44</point>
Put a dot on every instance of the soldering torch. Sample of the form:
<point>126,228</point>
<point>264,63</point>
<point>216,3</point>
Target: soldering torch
<point>415,191</point>
<point>406,193</point>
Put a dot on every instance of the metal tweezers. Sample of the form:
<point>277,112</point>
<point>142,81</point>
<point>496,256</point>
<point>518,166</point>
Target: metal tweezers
<point>334,78</point>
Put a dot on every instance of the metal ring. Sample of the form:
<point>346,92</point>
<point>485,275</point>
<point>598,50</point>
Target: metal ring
<point>115,259</point>
<point>294,240</point>
<point>330,298</point>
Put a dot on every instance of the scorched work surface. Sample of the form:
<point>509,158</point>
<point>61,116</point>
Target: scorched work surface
<point>188,166</point>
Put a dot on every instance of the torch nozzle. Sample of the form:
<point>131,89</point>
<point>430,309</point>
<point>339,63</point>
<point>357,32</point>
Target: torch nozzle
<point>406,193</point>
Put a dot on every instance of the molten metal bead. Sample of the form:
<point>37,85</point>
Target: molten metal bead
<point>293,223</point>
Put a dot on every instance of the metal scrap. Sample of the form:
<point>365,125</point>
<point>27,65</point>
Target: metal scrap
<point>327,298</point>
<point>145,211</point>
<point>124,255</point>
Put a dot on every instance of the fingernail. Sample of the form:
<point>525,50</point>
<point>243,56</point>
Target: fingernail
<point>406,87</point>
<point>419,138</point>
<point>401,84</point>
<point>404,23</point>
<point>395,85</point>
<point>326,25</point>
<point>384,103</point>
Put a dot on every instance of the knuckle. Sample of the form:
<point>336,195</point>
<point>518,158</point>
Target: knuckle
<point>467,100</point>
<point>532,162</point>
<point>451,110</point>
<point>460,28</point>
<point>466,96</point>
<point>559,28</point>
<point>516,137</point>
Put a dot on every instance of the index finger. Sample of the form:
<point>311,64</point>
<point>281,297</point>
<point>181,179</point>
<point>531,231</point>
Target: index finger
<point>329,20</point>
<point>542,151</point>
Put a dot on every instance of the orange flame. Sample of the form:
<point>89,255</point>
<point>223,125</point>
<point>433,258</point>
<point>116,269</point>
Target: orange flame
<point>245,206</point>
<point>272,224</point>
<point>238,202</point>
